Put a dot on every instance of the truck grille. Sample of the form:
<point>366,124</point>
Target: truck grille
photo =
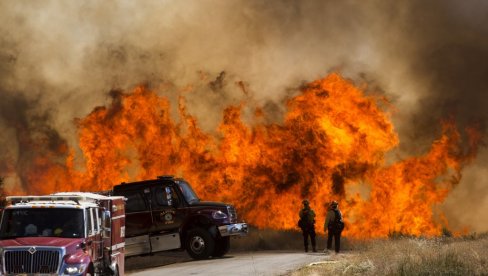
<point>232,214</point>
<point>31,260</point>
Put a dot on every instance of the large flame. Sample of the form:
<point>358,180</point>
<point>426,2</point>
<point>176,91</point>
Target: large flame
<point>332,145</point>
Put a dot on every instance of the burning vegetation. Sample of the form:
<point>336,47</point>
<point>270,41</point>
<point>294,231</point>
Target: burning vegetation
<point>333,142</point>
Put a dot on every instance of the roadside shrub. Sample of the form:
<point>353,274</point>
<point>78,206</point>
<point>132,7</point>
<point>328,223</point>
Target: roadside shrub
<point>446,232</point>
<point>398,235</point>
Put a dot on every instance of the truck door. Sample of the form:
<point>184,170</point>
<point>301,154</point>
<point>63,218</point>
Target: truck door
<point>164,202</point>
<point>94,241</point>
<point>89,233</point>
<point>138,217</point>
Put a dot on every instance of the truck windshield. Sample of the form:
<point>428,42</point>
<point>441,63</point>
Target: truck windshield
<point>45,222</point>
<point>188,192</point>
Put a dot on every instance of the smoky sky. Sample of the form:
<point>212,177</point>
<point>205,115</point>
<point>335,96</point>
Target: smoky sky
<point>60,59</point>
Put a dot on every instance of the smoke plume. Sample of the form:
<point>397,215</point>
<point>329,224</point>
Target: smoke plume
<point>60,59</point>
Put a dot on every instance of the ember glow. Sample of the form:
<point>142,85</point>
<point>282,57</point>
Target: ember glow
<point>333,142</point>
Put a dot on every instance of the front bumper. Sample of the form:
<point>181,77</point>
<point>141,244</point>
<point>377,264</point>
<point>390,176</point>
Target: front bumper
<point>237,229</point>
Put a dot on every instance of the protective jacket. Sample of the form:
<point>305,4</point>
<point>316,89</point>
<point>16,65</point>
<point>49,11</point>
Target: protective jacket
<point>307,218</point>
<point>333,220</point>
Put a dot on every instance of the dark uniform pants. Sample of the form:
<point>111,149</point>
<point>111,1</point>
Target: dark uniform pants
<point>333,233</point>
<point>310,231</point>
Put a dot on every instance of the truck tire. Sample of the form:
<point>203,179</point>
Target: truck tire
<point>222,246</point>
<point>199,244</point>
<point>89,272</point>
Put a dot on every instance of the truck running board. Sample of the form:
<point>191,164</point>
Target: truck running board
<point>143,244</point>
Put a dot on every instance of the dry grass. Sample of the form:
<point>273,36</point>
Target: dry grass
<point>267,239</point>
<point>397,255</point>
<point>408,256</point>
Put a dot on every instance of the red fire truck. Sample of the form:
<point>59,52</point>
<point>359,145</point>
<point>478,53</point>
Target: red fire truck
<point>63,234</point>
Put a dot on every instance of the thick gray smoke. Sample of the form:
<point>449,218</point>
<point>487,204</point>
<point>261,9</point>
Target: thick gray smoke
<point>59,60</point>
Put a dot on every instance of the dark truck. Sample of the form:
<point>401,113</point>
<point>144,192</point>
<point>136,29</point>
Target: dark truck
<point>166,214</point>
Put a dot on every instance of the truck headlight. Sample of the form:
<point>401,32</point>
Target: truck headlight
<point>74,269</point>
<point>219,215</point>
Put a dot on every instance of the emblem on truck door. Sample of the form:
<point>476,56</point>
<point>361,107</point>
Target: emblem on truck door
<point>168,217</point>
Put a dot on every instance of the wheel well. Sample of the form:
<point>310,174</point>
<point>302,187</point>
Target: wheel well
<point>194,222</point>
<point>91,268</point>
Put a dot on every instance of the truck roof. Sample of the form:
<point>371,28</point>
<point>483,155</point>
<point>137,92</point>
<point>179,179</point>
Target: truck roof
<point>87,195</point>
<point>138,184</point>
<point>59,200</point>
<point>52,204</point>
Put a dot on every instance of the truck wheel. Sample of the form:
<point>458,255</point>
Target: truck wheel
<point>199,244</point>
<point>222,246</point>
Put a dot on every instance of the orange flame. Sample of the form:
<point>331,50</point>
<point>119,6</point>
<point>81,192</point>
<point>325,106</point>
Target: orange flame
<point>333,141</point>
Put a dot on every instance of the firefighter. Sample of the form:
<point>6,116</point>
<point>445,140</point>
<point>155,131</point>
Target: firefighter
<point>333,226</point>
<point>307,224</point>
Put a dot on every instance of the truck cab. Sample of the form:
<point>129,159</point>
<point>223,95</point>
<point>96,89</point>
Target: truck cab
<point>165,214</point>
<point>63,234</point>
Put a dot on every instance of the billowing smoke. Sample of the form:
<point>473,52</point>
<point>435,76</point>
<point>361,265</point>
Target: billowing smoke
<point>60,59</point>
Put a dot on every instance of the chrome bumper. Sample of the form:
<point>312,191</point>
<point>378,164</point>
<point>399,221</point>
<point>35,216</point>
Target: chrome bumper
<point>237,229</point>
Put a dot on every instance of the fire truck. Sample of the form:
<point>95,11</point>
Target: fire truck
<point>63,234</point>
<point>166,214</point>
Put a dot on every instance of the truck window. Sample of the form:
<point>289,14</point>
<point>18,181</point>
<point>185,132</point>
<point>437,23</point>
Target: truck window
<point>42,222</point>
<point>159,197</point>
<point>89,221</point>
<point>163,196</point>
<point>99,220</point>
<point>187,192</point>
<point>135,202</point>
<point>95,221</point>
